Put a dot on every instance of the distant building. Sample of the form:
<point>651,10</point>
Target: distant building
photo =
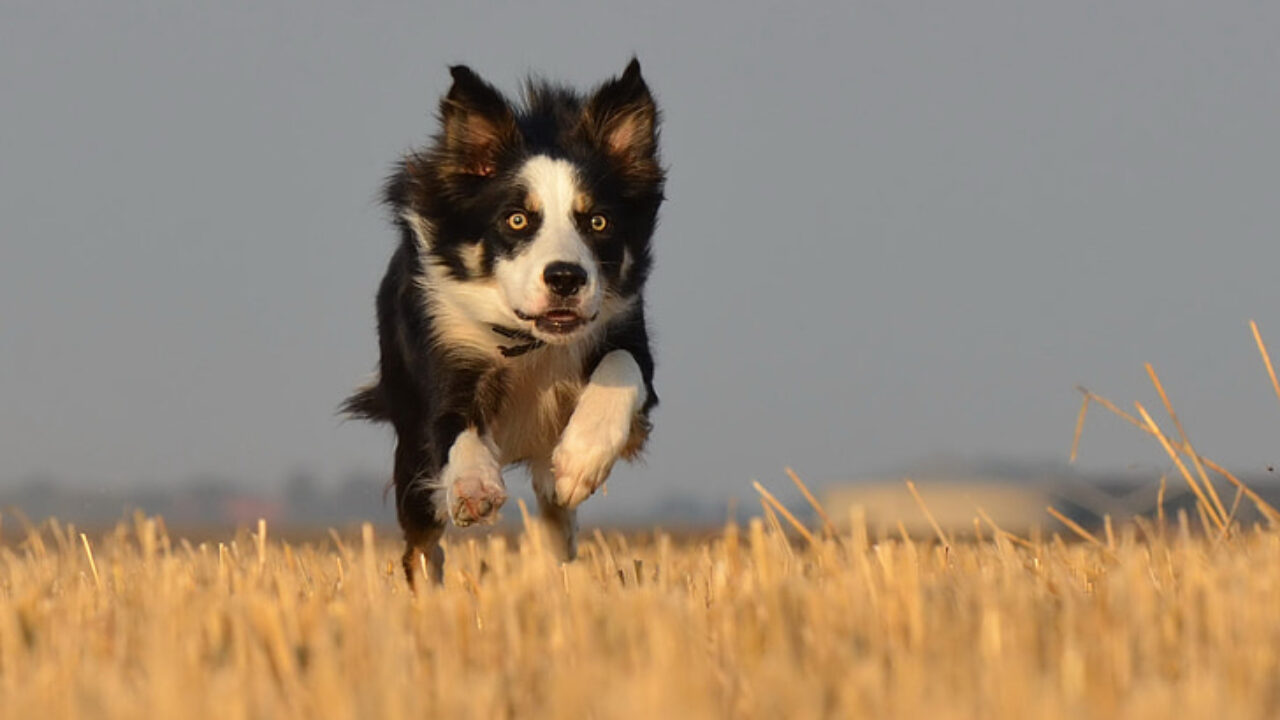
<point>1019,505</point>
<point>954,504</point>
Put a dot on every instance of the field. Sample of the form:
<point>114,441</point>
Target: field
<point>1151,618</point>
<point>751,623</point>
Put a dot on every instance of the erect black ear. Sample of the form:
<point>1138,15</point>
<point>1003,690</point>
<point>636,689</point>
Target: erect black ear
<point>478,124</point>
<point>622,119</point>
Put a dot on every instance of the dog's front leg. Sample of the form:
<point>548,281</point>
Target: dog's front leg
<point>471,480</point>
<point>599,428</point>
<point>442,473</point>
<point>560,523</point>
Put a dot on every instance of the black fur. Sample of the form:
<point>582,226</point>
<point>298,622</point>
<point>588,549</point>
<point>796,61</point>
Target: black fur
<point>462,184</point>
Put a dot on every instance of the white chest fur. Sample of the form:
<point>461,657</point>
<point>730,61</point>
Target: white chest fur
<point>543,388</point>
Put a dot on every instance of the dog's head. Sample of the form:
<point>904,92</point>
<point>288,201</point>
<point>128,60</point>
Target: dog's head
<point>535,216</point>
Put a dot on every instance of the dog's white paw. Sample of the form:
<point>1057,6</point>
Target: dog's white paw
<point>475,496</point>
<point>598,429</point>
<point>472,481</point>
<point>583,458</point>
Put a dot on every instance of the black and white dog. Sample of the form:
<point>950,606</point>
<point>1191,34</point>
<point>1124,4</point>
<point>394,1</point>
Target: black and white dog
<point>511,321</point>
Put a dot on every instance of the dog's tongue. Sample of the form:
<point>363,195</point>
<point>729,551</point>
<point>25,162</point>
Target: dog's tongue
<point>561,315</point>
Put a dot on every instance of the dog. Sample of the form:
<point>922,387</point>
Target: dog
<point>511,321</point>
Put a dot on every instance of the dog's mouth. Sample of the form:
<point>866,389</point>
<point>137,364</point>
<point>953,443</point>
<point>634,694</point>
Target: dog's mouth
<point>556,322</point>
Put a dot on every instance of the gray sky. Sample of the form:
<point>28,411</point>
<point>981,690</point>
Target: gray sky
<point>895,229</point>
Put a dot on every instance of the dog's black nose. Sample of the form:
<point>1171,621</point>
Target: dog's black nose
<point>564,278</point>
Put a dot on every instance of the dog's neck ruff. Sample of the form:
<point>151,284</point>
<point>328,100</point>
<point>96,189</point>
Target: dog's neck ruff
<point>528,342</point>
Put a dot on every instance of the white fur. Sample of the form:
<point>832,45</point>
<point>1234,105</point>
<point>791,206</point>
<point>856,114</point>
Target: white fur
<point>471,481</point>
<point>613,305</point>
<point>462,310</point>
<point>598,429</point>
<point>473,258</point>
<point>422,230</point>
<point>543,387</point>
<point>554,183</point>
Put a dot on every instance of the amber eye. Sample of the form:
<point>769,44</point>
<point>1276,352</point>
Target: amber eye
<point>517,221</point>
<point>599,223</point>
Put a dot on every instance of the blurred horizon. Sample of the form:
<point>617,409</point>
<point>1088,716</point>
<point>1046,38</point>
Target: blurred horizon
<point>1014,493</point>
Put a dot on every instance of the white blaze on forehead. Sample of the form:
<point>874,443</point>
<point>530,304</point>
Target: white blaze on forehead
<point>553,186</point>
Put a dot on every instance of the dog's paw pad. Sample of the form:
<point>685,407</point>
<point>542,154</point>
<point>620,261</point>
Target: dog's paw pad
<point>475,498</point>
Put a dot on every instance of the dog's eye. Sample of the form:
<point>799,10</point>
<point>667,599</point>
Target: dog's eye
<point>599,223</point>
<point>517,221</point>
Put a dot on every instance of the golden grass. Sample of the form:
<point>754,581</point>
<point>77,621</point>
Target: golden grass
<point>1160,620</point>
<point>747,624</point>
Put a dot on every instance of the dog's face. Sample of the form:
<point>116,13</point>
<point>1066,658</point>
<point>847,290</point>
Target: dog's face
<point>536,217</point>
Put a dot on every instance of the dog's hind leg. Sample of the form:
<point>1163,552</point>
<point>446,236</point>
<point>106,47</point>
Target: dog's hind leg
<point>422,551</point>
<point>559,522</point>
<point>423,530</point>
<point>416,509</point>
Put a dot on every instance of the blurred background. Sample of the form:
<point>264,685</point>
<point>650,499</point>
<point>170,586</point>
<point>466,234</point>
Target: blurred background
<point>898,235</point>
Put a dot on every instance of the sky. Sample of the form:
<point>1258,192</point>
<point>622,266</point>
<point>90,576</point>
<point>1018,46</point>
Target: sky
<point>895,230</point>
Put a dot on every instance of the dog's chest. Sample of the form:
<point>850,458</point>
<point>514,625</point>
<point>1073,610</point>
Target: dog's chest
<point>542,390</point>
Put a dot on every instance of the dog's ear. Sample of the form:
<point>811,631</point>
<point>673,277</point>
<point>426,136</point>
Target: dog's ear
<point>621,118</point>
<point>477,123</point>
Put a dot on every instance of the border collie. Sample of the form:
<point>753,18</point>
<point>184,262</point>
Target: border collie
<point>511,320</point>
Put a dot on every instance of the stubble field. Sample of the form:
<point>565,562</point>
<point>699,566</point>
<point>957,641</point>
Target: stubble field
<point>751,623</point>
<point>1155,618</point>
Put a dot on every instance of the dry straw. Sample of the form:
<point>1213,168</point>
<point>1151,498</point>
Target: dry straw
<point>743,623</point>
